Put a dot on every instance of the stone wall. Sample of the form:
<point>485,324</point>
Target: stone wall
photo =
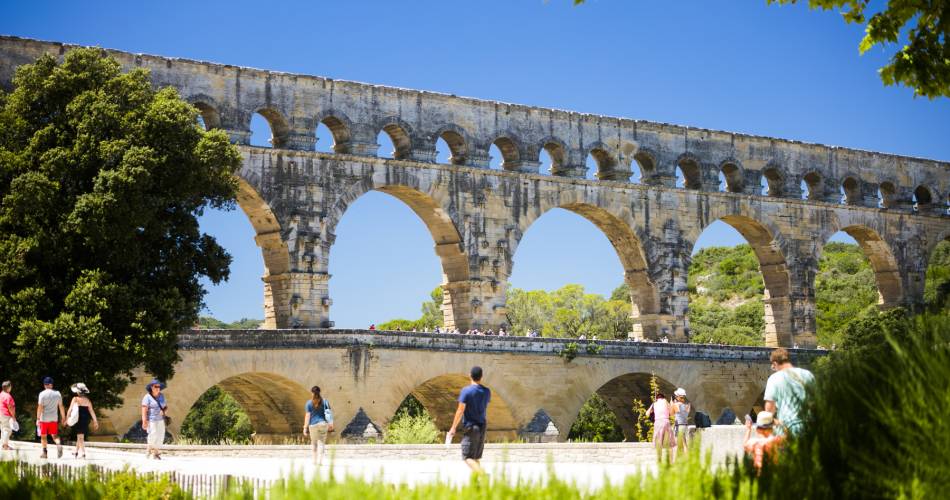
<point>894,206</point>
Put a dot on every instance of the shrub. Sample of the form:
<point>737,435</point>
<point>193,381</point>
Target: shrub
<point>875,420</point>
<point>412,429</point>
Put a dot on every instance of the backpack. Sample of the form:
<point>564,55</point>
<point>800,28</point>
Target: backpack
<point>702,420</point>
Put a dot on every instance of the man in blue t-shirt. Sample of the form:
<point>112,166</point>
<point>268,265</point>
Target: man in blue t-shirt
<point>472,412</point>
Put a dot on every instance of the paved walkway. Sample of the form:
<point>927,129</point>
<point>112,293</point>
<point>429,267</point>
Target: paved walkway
<point>585,475</point>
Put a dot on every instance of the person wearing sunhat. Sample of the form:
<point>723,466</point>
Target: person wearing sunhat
<point>46,416</point>
<point>680,411</point>
<point>764,442</point>
<point>153,418</point>
<point>82,405</point>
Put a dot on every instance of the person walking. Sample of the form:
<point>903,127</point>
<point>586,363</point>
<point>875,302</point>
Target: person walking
<point>472,411</point>
<point>81,404</point>
<point>785,392</point>
<point>318,422</point>
<point>50,403</point>
<point>154,410</point>
<point>7,414</point>
<point>662,433</point>
<point>681,410</point>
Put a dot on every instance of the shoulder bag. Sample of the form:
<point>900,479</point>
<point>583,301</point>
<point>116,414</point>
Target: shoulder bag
<point>73,417</point>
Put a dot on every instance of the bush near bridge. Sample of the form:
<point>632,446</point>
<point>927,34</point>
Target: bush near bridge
<point>101,181</point>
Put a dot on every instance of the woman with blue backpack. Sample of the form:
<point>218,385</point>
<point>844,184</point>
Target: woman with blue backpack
<point>318,422</point>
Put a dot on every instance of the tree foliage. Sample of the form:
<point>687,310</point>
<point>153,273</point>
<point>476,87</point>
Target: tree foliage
<point>208,322</point>
<point>412,424</point>
<point>431,316</point>
<point>101,180</point>
<point>596,423</point>
<point>568,313</point>
<point>217,418</point>
<point>923,64</point>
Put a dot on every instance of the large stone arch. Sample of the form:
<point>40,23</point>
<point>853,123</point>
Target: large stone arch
<point>768,244</point>
<point>887,271</point>
<point>439,396</point>
<point>711,386</point>
<point>644,293</point>
<point>428,204</point>
<point>620,391</point>
<point>274,249</point>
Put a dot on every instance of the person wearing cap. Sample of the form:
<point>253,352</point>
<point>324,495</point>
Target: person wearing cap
<point>472,411</point>
<point>680,410</point>
<point>764,442</point>
<point>153,418</point>
<point>81,404</point>
<point>7,414</point>
<point>46,416</point>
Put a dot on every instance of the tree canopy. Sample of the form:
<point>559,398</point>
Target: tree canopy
<point>101,180</point>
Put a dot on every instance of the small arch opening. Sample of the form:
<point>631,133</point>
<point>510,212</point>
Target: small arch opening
<point>394,142</point>
<point>601,165</point>
<point>268,129</point>
<point>850,191</point>
<point>333,136</point>
<point>325,142</point>
<point>811,186</point>
<point>208,117</point>
<point>886,193</point>
<point>507,151</point>
<point>923,199</point>
<point>773,182</point>
<point>646,164</point>
<point>731,178</point>
<point>450,148</point>
<point>688,174</point>
<point>262,135</point>
<point>551,157</point>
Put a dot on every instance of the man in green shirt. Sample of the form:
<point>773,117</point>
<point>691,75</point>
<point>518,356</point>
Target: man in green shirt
<point>785,392</point>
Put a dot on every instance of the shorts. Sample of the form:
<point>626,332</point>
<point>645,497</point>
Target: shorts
<point>473,442</point>
<point>49,428</point>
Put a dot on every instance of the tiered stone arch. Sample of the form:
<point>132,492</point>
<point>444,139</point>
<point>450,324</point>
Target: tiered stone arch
<point>276,254</point>
<point>884,262</point>
<point>768,243</point>
<point>644,293</point>
<point>429,203</point>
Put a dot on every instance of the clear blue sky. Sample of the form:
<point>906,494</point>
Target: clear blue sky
<point>731,65</point>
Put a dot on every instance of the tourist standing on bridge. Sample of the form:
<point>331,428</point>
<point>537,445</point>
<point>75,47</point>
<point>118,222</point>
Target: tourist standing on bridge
<point>473,413</point>
<point>662,433</point>
<point>318,421</point>
<point>154,409</point>
<point>7,414</point>
<point>86,415</point>
<point>681,416</point>
<point>46,416</point>
<point>785,392</point>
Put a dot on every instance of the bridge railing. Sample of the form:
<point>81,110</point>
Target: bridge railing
<point>212,339</point>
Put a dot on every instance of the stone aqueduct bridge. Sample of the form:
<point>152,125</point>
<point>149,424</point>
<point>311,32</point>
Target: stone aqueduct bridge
<point>366,376</point>
<point>894,206</point>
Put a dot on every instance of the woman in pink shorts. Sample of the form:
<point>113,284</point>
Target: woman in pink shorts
<point>662,431</point>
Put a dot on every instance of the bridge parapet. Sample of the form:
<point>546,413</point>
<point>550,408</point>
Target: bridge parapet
<point>376,339</point>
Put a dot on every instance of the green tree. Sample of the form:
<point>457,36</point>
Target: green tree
<point>217,418</point>
<point>596,423</point>
<point>431,316</point>
<point>101,180</point>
